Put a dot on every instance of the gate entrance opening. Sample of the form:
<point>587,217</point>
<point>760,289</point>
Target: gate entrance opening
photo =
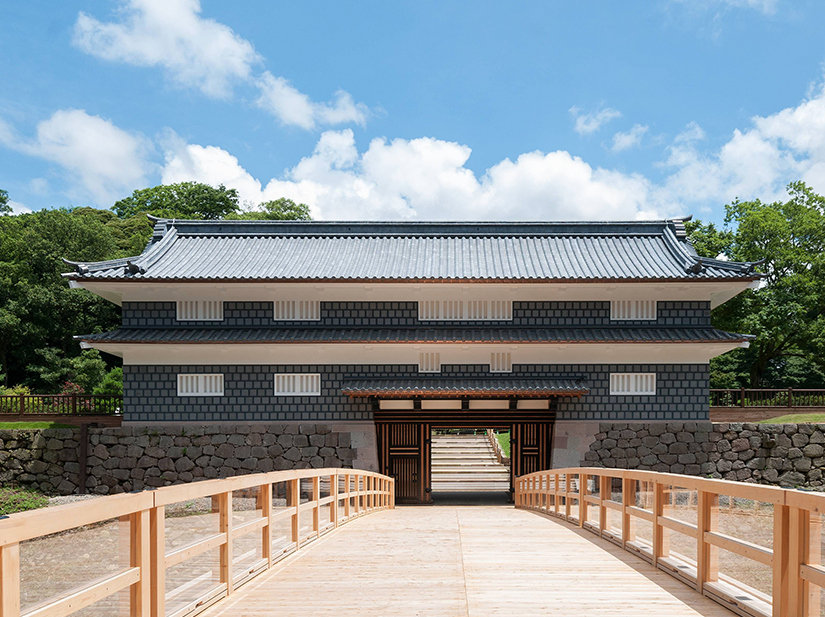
<point>406,412</point>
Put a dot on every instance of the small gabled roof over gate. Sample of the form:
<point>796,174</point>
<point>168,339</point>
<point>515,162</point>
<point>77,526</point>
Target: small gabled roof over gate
<point>460,388</point>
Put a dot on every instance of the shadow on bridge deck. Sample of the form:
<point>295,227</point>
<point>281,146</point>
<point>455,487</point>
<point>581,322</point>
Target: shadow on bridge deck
<point>456,561</point>
<point>470,498</point>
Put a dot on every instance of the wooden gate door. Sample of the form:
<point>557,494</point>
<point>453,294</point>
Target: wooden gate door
<point>530,448</point>
<point>404,454</point>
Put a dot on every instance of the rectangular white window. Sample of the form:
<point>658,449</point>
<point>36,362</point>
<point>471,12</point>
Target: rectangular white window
<point>633,383</point>
<point>200,310</point>
<point>465,310</point>
<point>429,362</point>
<point>628,310</point>
<point>501,362</point>
<point>200,385</point>
<point>297,310</point>
<point>298,384</point>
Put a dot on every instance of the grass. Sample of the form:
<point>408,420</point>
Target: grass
<point>504,441</point>
<point>28,425</point>
<point>797,418</point>
<point>20,499</point>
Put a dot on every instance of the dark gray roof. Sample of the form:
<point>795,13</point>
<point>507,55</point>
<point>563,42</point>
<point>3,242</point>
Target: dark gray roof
<point>414,335</point>
<point>447,388</point>
<point>323,251</point>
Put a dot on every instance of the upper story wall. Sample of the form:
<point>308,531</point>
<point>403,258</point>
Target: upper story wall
<point>405,314</point>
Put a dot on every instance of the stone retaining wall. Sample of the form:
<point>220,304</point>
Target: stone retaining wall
<point>133,458</point>
<point>782,454</point>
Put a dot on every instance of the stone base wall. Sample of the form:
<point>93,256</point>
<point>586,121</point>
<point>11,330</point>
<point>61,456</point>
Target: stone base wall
<point>132,458</point>
<point>782,454</point>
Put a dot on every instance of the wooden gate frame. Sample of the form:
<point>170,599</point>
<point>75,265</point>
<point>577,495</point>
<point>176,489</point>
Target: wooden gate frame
<point>539,446</point>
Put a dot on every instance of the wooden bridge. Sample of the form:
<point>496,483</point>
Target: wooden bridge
<point>578,541</point>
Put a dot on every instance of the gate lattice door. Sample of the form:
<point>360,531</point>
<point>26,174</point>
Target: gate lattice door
<point>531,446</point>
<point>404,454</point>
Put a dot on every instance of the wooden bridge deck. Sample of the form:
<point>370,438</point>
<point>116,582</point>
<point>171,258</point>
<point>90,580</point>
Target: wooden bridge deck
<point>463,561</point>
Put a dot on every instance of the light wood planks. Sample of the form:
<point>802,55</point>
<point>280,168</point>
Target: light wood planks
<point>464,561</point>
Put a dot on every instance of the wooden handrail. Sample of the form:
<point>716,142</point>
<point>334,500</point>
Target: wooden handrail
<point>794,554</point>
<point>767,397</point>
<point>61,404</point>
<point>362,492</point>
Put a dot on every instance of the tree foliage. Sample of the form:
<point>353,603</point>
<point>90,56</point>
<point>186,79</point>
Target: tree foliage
<point>787,314</point>
<point>39,314</point>
<point>5,208</point>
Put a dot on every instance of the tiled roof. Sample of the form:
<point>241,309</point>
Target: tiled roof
<point>414,335</point>
<point>447,388</point>
<point>336,252</point>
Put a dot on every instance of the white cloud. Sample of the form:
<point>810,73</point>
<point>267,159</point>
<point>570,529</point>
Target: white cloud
<point>202,53</point>
<point>39,186</point>
<point>588,123</point>
<point>426,179</point>
<point>102,161</point>
<point>292,107</point>
<point>629,139</point>
<point>755,162</point>
<point>195,52</point>
<point>18,208</point>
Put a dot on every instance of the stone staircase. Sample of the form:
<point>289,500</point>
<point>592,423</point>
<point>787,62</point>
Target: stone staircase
<point>466,463</point>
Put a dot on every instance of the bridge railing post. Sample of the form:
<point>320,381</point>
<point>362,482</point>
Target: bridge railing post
<point>295,502</point>
<point>10,580</point>
<point>604,494</point>
<point>628,522</point>
<point>265,504</point>
<point>333,506</point>
<point>225,526</point>
<point>157,555</point>
<point>140,593</point>
<point>316,507</point>
<point>582,499</point>
<point>661,535</point>
<point>707,555</point>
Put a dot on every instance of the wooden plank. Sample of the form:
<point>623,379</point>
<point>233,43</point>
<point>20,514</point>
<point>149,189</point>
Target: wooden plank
<point>27,525</point>
<point>87,595</point>
<point>457,562</point>
<point>679,526</point>
<point>157,555</point>
<point>780,561</point>
<point>193,550</point>
<point>139,557</point>
<point>265,505</point>
<point>225,527</point>
<point>10,580</point>
<point>740,547</point>
<point>641,513</point>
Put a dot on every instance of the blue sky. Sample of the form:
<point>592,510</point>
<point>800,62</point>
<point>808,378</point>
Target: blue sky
<point>424,110</point>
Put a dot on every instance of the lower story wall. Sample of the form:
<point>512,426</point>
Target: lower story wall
<point>150,392</point>
<point>132,458</point>
<point>783,454</point>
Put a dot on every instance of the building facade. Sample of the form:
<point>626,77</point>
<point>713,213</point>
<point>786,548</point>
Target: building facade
<point>544,328</point>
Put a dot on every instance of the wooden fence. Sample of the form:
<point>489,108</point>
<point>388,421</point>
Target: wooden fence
<point>769,537</point>
<point>763,397</point>
<point>61,404</point>
<point>150,583</point>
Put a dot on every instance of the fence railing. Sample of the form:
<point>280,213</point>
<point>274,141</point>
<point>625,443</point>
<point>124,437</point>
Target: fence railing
<point>763,397</point>
<point>755,549</point>
<point>61,404</point>
<point>176,550</point>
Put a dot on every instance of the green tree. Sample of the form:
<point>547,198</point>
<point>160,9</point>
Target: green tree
<point>188,200</point>
<point>5,208</point>
<point>38,311</point>
<point>787,314</point>
<point>112,383</point>
<point>282,209</point>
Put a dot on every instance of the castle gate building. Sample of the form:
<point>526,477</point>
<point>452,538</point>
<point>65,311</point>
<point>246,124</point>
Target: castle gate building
<point>388,330</point>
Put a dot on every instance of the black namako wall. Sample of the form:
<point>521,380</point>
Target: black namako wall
<point>151,396</point>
